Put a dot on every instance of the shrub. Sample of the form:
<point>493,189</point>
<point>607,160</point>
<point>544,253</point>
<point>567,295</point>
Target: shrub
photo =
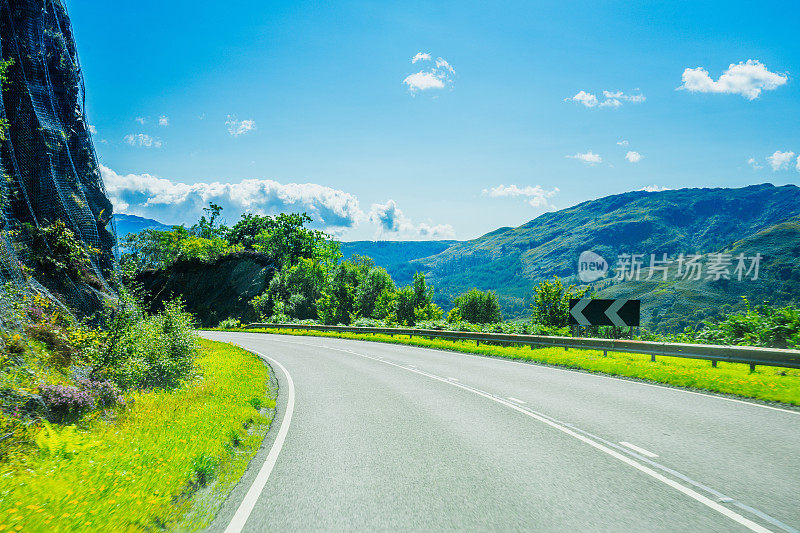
<point>551,302</point>
<point>66,402</point>
<point>230,323</point>
<point>148,352</point>
<point>106,393</point>
<point>760,326</point>
<point>56,249</point>
<point>478,307</point>
<point>262,306</point>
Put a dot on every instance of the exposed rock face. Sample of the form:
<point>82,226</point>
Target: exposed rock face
<point>46,151</point>
<point>212,291</point>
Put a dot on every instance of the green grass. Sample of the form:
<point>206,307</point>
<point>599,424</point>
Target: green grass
<point>167,461</point>
<point>766,383</point>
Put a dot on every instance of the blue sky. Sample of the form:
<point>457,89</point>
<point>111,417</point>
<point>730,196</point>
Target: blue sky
<point>315,106</point>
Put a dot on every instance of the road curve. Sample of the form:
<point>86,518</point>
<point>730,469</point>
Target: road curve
<point>389,437</point>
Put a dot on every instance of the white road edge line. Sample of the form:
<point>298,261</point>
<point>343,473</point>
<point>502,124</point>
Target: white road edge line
<point>515,400</point>
<point>249,502</point>
<point>736,517</point>
<point>638,449</point>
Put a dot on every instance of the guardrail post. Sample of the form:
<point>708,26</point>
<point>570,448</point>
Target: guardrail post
<point>477,343</point>
<point>653,358</point>
<point>714,363</point>
<point>605,353</point>
<point>752,367</point>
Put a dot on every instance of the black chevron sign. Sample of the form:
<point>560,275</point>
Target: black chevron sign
<point>589,312</point>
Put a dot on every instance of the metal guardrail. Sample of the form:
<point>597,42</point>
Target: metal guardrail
<point>733,354</point>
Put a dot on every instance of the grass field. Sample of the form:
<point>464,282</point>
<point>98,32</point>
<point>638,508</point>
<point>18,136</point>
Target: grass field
<point>766,383</point>
<point>156,465</point>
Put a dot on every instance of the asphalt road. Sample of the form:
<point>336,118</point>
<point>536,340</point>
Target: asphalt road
<point>373,436</point>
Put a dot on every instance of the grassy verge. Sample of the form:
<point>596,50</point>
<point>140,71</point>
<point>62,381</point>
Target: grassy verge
<point>153,467</point>
<point>766,383</point>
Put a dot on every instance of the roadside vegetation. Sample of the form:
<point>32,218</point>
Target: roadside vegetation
<point>139,464</point>
<point>766,383</point>
<point>117,420</point>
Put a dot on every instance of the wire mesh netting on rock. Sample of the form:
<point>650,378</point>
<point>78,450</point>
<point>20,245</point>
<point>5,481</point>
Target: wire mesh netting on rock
<point>52,188</point>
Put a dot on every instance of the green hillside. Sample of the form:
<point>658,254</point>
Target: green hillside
<point>511,260</point>
<point>395,256</point>
<point>673,305</point>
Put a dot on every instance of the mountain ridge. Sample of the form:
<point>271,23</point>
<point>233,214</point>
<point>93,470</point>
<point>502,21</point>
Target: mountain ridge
<point>685,220</point>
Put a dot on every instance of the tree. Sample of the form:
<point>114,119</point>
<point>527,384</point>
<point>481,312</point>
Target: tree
<point>478,307</point>
<point>404,306</point>
<point>375,294</point>
<point>551,302</point>
<point>423,295</point>
<point>161,248</point>
<point>246,231</point>
<point>297,290</point>
<point>415,303</point>
<point>206,227</point>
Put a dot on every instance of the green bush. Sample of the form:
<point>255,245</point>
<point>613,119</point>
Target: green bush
<point>145,352</point>
<point>230,323</point>
<point>761,326</point>
<point>551,302</point>
<point>477,307</point>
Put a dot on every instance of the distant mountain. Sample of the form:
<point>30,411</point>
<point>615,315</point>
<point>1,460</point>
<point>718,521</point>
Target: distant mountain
<point>395,256</point>
<point>672,305</point>
<point>126,224</point>
<point>512,260</point>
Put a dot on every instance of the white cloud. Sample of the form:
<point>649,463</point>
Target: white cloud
<point>753,163</point>
<point>436,77</point>
<point>780,160</point>
<point>421,56</point>
<point>422,81</point>
<point>239,127</point>
<point>612,99</point>
<point>141,120</point>
<point>435,231</point>
<point>611,103</point>
<point>633,157</point>
<point>747,78</point>
<point>587,99</point>
<point>441,63</point>
<point>537,196</point>
<point>390,219</point>
<point>163,120</point>
<point>797,166</point>
<point>623,142</point>
<point>174,202</point>
<point>92,130</point>
<point>590,158</point>
<point>143,140</point>
<point>655,188</point>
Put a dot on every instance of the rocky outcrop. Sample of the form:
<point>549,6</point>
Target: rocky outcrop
<point>211,291</point>
<point>46,151</point>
